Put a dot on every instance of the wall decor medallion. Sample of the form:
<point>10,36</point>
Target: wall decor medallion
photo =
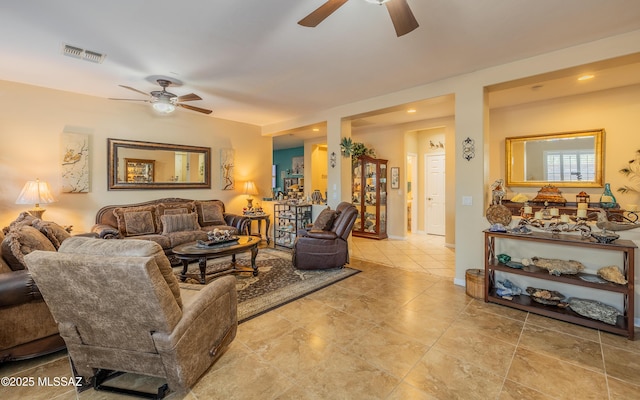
<point>332,159</point>
<point>468,149</point>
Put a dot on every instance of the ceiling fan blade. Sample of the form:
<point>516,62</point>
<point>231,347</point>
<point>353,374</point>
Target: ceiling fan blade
<point>198,109</point>
<point>135,90</point>
<point>321,13</point>
<point>189,97</point>
<point>401,16</point>
<point>145,100</point>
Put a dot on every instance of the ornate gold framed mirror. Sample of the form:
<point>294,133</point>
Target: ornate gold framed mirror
<point>567,159</point>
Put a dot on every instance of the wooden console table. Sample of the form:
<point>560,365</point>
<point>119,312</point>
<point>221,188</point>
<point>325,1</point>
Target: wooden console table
<point>624,325</point>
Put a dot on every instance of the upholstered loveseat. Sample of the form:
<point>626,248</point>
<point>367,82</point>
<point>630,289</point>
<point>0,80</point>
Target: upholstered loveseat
<point>168,222</point>
<point>27,328</point>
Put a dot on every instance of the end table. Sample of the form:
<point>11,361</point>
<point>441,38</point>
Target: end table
<point>260,218</point>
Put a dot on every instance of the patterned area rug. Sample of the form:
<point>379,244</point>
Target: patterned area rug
<point>277,283</point>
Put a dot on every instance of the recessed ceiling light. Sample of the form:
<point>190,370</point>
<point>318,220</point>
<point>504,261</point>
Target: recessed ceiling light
<point>586,77</point>
<point>316,129</point>
<point>411,110</point>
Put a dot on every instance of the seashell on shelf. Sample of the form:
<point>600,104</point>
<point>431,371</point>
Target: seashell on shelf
<point>613,274</point>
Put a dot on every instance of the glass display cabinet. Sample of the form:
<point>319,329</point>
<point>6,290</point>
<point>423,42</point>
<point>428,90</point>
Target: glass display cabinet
<point>140,170</point>
<point>369,196</point>
<point>288,218</point>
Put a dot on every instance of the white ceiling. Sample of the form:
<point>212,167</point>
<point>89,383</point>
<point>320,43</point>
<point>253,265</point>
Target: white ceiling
<point>250,61</point>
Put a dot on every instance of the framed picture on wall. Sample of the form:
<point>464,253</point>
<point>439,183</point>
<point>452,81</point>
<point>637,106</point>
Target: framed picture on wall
<point>395,177</point>
<point>297,165</point>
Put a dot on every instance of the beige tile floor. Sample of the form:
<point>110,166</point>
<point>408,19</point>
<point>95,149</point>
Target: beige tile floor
<point>401,330</point>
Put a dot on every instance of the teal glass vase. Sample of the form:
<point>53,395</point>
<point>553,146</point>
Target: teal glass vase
<point>607,199</point>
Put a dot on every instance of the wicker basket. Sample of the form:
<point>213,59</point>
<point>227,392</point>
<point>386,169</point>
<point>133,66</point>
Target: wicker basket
<point>474,282</point>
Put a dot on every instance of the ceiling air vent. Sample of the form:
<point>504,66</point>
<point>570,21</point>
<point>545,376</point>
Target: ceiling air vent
<point>87,55</point>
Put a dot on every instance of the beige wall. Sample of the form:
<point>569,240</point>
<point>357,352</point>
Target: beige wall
<point>615,110</point>
<point>389,145</point>
<point>33,119</point>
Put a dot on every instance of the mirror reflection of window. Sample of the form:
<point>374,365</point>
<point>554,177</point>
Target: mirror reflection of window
<point>570,166</point>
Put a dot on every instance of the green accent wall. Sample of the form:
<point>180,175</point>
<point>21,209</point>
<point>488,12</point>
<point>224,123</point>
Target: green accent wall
<point>282,161</point>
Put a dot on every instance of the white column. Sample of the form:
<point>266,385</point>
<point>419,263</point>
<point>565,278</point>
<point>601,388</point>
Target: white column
<point>338,177</point>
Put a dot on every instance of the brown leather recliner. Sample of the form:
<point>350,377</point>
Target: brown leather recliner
<point>323,249</point>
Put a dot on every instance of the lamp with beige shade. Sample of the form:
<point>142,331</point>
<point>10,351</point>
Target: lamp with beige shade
<point>250,190</point>
<point>36,192</point>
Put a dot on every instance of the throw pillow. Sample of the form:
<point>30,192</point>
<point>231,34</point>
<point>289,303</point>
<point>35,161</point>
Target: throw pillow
<point>136,221</point>
<point>22,241</point>
<point>325,220</point>
<point>210,213</point>
<point>173,208</point>
<point>179,223</point>
<point>23,219</point>
<point>4,267</point>
<point>54,232</point>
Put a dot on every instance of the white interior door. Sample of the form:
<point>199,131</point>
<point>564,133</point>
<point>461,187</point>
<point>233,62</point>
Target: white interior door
<point>434,191</point>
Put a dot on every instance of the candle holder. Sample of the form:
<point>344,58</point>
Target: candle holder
<point>526,211</point>
<point>556,226</point>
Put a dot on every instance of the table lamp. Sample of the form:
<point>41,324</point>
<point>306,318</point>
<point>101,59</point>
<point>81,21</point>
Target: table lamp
<point>250,190</point>
<point>36,192</point>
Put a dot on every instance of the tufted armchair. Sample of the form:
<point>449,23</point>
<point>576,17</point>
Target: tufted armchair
<point>325,244</point>
<point>118,308</point>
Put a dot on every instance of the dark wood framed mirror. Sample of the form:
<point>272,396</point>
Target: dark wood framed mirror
<point>157,165</point>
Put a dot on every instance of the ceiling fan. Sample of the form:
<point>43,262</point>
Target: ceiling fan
<point>401,15</point>
<point>166,102</point>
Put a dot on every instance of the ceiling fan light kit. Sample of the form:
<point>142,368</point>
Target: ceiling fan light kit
<point>164,106</point>
<point>401,15</point>
<point>166,102</point>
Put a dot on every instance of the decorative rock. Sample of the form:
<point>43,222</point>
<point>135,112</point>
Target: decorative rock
<point>504,258</point>
<point>613,274</point>
<point>545,296</point>
<point>521,230</point>
<point>507,288</point>
<point>558,267</point>
<point>497,228</point>
<point>595,310</point>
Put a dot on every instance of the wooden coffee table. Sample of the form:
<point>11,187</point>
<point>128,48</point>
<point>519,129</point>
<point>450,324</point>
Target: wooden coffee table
<point>188,252</point>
